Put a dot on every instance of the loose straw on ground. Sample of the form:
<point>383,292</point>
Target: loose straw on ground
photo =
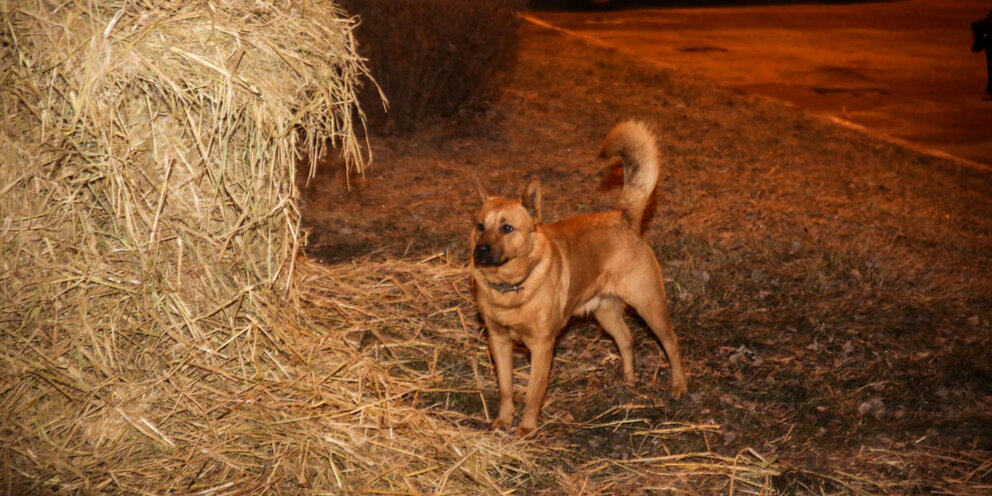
<point>156,332</point>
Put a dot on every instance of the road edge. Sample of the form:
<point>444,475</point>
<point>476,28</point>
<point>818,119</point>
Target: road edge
<point>932,152</point>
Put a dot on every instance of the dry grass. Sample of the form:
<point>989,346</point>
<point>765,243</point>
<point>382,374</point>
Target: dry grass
<point>161,335</point>
<point>155,326</point>
<point>321,405</point>
<point>830,290</point>
<point>416,322</point>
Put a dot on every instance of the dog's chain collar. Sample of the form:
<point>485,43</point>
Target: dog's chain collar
<point>509,287</point>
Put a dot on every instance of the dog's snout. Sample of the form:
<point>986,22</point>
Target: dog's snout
<point>484,255</point>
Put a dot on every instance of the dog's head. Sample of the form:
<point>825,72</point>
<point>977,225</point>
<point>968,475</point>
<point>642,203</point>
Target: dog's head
<point>505,228</point>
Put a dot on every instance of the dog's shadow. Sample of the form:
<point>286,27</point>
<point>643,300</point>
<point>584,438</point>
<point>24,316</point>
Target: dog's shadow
<point>612,179</point>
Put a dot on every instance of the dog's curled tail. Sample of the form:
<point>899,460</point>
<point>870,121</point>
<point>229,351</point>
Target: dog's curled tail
<point>634,143</point>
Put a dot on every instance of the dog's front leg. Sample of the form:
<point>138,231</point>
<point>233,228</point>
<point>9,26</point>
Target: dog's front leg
<point>501,347</point>
<point>537,385</point>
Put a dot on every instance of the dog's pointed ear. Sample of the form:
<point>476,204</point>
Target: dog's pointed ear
<point>531,199</point>
<point>480,188</point>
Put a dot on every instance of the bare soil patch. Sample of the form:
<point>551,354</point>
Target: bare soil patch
<point>831,291</point>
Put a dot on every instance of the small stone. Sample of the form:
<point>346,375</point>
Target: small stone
<point>729,436</point>
<point>874,407</point>
<point>848,347</point>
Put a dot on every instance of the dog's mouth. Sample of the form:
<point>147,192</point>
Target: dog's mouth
<point>490,263</point>
<point>485,256</point>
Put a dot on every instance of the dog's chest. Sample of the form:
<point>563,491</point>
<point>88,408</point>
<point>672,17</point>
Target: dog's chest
<point>528,320</point>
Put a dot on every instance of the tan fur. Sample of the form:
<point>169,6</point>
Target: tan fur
<point>530,278</point>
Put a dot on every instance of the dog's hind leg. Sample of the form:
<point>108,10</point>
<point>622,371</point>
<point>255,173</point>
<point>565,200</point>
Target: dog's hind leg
<point>610,316</point>
<point>647,295</point>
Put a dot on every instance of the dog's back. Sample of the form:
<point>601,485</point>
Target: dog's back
<point>603,247</point>
<point>599,249</point>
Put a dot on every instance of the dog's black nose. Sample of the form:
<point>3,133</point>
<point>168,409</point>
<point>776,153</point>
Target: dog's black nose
<point>484,254</point>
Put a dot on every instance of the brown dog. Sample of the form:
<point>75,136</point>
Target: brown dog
<point>530,277</point>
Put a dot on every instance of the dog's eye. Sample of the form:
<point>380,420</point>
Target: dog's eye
<point>481,227</point>
<point>506,228</point>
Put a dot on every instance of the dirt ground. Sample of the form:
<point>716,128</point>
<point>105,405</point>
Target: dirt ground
<point>831,292</point>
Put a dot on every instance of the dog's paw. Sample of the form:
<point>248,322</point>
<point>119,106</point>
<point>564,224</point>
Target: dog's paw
<point>527,426</point>
<point>502,425</point>
<point>523,431</point>
<point>679,387</point>
<point>629,380</point>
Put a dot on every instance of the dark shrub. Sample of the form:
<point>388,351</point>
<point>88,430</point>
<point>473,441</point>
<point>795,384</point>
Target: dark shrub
<point>433,57</point>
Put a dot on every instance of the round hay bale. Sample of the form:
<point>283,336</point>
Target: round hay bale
<point>150,149</point>
<point>154,338</point>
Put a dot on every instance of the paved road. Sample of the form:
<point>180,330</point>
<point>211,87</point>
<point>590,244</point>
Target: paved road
<point>900,68</point>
